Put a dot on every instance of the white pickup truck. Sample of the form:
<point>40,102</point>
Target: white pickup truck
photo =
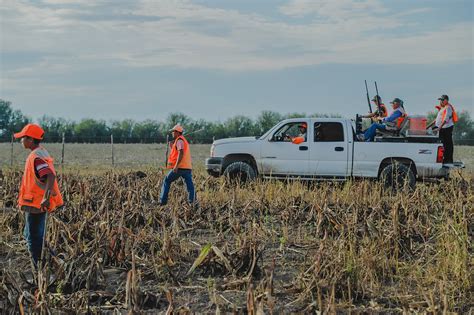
<point>330,151</point>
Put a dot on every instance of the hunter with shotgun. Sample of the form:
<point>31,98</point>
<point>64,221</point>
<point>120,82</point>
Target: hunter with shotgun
<point>381,111</point>
<point>180,165</point>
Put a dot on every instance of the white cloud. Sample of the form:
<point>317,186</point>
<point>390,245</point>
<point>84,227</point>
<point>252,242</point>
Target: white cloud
<point>187,35</point>
<point>334,10</point>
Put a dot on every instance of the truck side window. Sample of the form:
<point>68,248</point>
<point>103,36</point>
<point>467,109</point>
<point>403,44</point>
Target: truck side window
<point>290,131</point>
<point>328,132</point>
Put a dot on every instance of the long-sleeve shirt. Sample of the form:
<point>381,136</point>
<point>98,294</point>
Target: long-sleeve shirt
<point>399,112</point>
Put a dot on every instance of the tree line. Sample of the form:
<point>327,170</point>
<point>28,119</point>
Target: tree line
<point>151,131</point>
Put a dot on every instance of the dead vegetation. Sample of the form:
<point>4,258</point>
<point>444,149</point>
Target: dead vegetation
<point>267,247</point>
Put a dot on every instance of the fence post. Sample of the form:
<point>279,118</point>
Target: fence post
<point>112,148</point>
<point>11,151</point>
<point>62,152</point>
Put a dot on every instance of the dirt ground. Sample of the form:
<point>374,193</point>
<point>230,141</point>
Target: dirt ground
<point>269,246</point>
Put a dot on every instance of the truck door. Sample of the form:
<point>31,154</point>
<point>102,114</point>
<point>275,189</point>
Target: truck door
<point>280,156</point>
<point>329,150</point>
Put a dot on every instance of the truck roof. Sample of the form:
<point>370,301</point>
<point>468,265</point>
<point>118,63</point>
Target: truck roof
<point>332,119</point>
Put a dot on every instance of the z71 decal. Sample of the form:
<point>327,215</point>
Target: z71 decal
<point>425,151</point>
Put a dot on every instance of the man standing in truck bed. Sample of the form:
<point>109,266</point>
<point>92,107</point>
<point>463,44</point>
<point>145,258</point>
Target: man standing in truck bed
<point>445,121</point>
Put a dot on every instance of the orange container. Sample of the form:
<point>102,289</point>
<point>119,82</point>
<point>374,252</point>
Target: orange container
<point>417,125</point>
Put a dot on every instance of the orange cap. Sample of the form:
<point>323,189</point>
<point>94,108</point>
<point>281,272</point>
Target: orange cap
<point>304,125</point>
<point>178,128</point>
<point>31,130</point>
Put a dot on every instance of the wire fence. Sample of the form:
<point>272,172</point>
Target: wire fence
<point>95,153</point>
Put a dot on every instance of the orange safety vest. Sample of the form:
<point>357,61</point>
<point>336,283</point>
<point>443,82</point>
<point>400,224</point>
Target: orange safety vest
<point>173,158</point>
<point>297,140</point>
<point>455,115</point>
<point>32,189</point>
<point>400,120</point>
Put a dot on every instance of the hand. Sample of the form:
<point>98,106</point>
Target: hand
<point>45,204</point>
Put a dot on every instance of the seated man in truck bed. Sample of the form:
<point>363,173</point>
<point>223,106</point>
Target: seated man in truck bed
<point>380,112</point>
<point>393,121</point>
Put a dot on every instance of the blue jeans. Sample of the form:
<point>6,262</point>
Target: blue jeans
<point>171,177</point>
<point>34,233</point>
<point>369,134</point>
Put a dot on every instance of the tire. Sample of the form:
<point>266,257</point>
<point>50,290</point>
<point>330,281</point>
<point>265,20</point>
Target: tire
<point>240,171</point>
<point>398,177</point>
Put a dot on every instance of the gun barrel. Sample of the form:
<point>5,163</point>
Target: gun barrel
<point>167,149</point>
<point>368,98</point>
<point>378,97</point>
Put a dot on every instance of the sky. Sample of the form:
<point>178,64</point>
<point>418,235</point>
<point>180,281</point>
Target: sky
<point>213,59</point>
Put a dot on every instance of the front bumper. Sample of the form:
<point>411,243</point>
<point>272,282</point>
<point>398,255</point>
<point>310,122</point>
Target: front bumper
<point>214,166</point>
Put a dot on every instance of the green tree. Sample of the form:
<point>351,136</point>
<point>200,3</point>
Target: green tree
<point>177,118</point>
<point>239,126</point>
<point>464,129</point>
<point>295,115</point>
<point>11,120</point>
<point>148,131</point>
<point>55,127</point>
<point>266,120</point>
<point>122,130</point>
<point>91,130</point>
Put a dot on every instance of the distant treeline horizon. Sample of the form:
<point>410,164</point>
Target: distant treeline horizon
<point>154,131</point>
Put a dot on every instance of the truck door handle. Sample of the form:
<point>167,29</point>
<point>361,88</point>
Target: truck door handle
<point>303,148</point>
<point>339,149</point>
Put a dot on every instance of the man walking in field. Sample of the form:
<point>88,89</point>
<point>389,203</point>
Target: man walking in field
<point>179,163</point>
<point>39,191</point>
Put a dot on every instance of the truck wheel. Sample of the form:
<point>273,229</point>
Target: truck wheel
<point>240,171</point>
<point>397,177</point>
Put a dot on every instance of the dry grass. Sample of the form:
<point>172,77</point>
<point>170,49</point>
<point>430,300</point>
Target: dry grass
<point>274,247</point>
<point>94,156</point>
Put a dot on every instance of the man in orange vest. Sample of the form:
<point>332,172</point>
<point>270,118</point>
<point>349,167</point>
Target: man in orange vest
<point>445,121</point>
<point>179,163</point>
<point>39,191</point>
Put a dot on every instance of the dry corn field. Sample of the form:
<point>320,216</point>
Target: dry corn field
<point>268,247</point>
